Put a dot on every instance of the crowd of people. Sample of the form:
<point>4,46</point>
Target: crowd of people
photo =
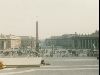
<point>69,53</point>
<point>50,53</point>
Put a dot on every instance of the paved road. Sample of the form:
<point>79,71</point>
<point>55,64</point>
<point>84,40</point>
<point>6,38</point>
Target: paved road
<point>59,66</point>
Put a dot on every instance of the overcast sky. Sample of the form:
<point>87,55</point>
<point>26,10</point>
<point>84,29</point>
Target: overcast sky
<point>56,17</point>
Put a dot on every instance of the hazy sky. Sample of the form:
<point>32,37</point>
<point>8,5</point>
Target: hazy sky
<point>56,17</point>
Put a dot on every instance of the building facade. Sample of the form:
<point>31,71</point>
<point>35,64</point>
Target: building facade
<point>9,42</point>
<point>27,42</point>
<point>86,42</point>
<point>75,41</point>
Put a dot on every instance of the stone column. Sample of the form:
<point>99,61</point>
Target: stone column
<point>73,44</point>
<point>91,44</point>
<point>88,44</point>
<point>79,44</point>
<point>82,44</point>
<point>85,43</point>
<point>97,44</point>
<point>4,44</point>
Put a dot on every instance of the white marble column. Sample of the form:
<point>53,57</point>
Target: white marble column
<point>4,45</point>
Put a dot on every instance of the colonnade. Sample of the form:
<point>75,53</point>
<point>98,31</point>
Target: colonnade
<point>86,43</point>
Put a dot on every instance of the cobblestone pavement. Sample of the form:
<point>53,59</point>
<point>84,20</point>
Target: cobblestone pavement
<point>59,66</point>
